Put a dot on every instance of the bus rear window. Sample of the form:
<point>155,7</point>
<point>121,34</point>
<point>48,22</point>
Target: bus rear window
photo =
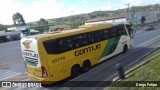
<point>52,47</point>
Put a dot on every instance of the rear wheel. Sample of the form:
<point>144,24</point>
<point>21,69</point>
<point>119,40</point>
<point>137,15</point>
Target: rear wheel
<point>125,48</point>
<point>75,71</point>
<point>86,66</point>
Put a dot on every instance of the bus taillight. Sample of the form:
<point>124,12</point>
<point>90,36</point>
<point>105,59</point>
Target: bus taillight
<point>44,72</point>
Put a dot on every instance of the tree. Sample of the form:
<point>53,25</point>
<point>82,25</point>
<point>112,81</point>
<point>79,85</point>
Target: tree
<point>76,24</point>
<point>2,27</point>
<point>18,19</point>
<point>42,21</point>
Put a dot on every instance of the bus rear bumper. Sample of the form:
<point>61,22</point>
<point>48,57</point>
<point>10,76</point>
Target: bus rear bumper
<point>35,78</point>
<point>40,80</point>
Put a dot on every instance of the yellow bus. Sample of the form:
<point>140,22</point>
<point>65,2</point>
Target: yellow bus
<point>58,55</point>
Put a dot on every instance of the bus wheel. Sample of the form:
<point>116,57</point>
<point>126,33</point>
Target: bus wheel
<point>86,66</point>
<point>75,71</point>
<point>125,48</point>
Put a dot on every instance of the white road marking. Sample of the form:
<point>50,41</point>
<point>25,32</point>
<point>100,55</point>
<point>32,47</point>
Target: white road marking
<point>148,41</point>
<point>27,79</point>
<point>114,79</point>
<point>138,59</point>
<point>158,46</point>
<point>138,32</point>
<point>7,75</point>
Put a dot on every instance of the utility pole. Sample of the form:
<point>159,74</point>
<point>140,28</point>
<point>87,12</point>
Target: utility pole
<point>127,13</point>
<point>133,12</point>
<point>127,7</point>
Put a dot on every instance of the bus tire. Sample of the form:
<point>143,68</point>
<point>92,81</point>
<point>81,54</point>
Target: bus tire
<point>86,66</point>
<point>125,48</point>
<point>75,71</point>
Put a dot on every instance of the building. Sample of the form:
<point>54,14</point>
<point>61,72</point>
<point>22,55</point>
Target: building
<point>150,16</point>
<point>120,19</point>
<point>19,28</point>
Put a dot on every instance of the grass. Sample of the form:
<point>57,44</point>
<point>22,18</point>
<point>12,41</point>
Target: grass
<point>152,54</point>
<point>149,72</point>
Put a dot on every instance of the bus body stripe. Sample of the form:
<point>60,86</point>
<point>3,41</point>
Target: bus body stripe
<point>110,46</point>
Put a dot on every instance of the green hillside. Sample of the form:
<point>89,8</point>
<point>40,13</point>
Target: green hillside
<point>76,20</point>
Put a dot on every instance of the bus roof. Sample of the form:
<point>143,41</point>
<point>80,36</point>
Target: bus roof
<point>81,29</point>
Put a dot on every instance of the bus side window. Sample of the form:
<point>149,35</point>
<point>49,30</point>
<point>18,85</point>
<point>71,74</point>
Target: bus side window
<point>69,43</point>
<point>115,32</point>
<point>63,45</point>
<point>83,40</point>
<point>91,38</point>
<point>75,41</point>
<point>118,31</point>
<point>88,38</point>
<point>101,35</point>
<point>96,35</point>
<point>112,33</point>
<point>106,34</point>
<point>66,44</point>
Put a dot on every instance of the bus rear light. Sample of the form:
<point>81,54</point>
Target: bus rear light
<point>44,72</point>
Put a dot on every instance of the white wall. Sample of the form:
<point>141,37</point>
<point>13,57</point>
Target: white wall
<point>108,21</point>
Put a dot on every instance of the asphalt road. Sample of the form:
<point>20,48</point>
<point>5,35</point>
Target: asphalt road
<point>12,65</point>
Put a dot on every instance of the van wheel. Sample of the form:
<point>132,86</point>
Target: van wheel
<point>75,71</point>
<point>125,48</point>
<point>86,66</point>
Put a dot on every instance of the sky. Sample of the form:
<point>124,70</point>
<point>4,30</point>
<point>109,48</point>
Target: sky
<point>33,10</point>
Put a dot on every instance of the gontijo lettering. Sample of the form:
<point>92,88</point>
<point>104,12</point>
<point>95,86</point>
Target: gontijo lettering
<point>30,54</point>
<point>88,49</point>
